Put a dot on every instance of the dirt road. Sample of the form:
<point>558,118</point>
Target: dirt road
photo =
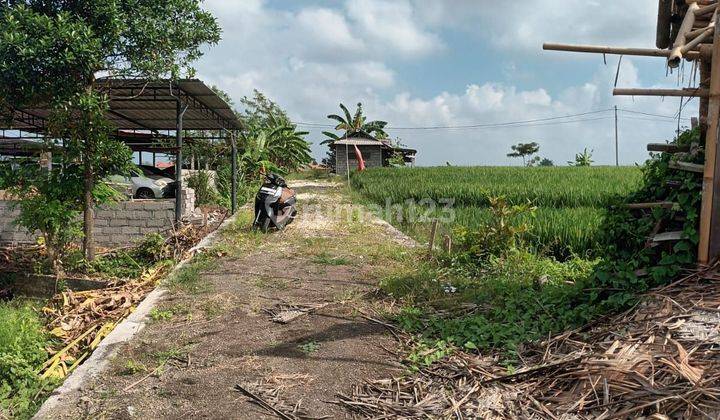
<point>205,340</point>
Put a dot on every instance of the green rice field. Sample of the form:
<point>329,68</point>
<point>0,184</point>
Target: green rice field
<point>571,201</point>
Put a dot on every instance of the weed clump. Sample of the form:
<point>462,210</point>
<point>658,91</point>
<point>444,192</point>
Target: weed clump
<point>23,344</point>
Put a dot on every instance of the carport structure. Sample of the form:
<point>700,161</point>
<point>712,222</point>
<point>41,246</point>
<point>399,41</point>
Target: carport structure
<point>152,110</point>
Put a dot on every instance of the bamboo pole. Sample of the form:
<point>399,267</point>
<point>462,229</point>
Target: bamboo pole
<point>701,2</point>
<point>706,10</point>
<point>708,245</point>
<point>600,49</point>
<point>684,93</point>
<point>687,26</point>
<point>707,33</point>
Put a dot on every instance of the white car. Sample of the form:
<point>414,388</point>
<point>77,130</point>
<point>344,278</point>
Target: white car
<point>151,183</point>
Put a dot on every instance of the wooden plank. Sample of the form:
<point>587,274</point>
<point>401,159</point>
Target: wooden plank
<point>685,166</point>
<point>667,148</point>
<point>660,225</point>
<point>642,206</point>
<point>669,237</point>
<point>709,241</point>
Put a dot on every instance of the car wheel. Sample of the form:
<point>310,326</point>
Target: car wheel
<point>145,194</point>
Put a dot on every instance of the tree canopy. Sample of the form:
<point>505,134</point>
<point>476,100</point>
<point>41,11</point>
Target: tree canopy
<point>51,52</point>
<point>524,150</point>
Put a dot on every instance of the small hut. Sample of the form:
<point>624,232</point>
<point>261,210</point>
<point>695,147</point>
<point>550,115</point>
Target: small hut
<point>375,153</point>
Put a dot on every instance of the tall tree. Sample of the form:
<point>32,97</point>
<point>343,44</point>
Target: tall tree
<point>355,126</point>
<point>270,137</point>
<point>52,50</point>
<point>524,150</point>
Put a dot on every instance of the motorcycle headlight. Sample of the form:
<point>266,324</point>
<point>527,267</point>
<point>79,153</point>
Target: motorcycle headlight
<point>161,183</point>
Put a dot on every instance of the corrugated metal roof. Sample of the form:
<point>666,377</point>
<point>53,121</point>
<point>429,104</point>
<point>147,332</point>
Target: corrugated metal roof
<point>148,105</point>
<point>360,142</point>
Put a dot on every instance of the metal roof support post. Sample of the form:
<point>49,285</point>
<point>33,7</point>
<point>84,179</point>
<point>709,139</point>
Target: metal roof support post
<point>179,161</point>
<point>234,172</point>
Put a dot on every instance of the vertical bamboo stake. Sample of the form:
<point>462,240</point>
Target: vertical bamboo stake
<point>708,241</point>
<point>447,244</point>
<point>433,234</point>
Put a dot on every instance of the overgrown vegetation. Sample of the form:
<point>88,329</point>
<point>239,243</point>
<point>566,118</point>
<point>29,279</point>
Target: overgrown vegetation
<point>498,290</point>
<point>123,263</point>
<point>23,344</point>
<point>205,193</point>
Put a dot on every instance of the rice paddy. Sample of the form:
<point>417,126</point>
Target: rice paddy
<point>571,202</point>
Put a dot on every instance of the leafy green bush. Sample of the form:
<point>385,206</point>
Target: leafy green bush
<point>22,352</point>
<point>503,233</point>
<point>521,296</point>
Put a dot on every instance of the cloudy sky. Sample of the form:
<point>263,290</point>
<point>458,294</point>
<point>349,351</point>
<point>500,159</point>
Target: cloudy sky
<point>429,63</point>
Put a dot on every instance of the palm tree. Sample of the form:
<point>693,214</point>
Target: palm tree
<point>356,126</point>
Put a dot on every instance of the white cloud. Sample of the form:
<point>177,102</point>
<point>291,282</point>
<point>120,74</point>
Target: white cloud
<point>311,58</point>
<point>327,32</point>
<point>560,140</point>
<point>525,25</point>
<point>393,25</point>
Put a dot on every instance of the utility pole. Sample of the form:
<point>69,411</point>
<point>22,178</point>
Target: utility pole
<point>617,151</point>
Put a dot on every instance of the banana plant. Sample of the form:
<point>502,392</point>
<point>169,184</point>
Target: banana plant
<point>280,149</point>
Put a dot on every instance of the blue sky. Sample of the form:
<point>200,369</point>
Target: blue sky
<point>419,63</point>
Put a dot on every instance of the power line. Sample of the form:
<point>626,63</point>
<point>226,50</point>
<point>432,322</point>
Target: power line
<point>565,119</point>
<point>672,117</point>
<point>475,126</point>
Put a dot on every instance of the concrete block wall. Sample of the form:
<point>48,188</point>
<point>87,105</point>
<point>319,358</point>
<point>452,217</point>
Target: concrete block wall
<point>116,225</point>
<point>371,154</point>
<point>128,222</point>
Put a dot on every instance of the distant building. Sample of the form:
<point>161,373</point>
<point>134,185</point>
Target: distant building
<point>375,153</point>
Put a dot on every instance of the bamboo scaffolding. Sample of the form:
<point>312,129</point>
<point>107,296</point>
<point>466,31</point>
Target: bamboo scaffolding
<point>687,26</point>
<point>695,38</point>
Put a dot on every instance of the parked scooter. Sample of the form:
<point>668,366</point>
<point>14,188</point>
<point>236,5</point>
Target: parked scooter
<point>274,204</point>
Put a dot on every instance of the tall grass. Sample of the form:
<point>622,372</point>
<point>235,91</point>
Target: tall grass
<point>571,201</point>
<point>470,186</point>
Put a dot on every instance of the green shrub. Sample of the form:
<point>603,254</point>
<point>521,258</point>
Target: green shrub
<point>23,344</point>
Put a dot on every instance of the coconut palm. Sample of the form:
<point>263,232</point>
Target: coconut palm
<point>356,126</point>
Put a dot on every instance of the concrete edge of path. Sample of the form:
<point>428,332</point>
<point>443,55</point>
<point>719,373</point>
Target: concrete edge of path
<point>398,236</point>
<point>98,362</point>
